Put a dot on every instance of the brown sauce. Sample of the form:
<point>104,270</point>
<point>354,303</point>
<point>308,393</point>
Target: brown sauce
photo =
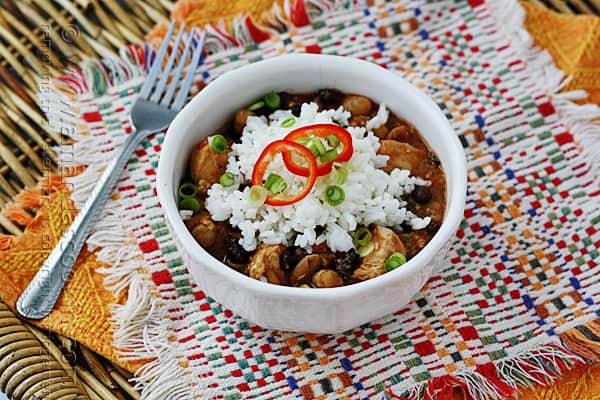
<point>293,266</point>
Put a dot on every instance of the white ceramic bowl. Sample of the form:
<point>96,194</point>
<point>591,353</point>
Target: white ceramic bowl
<point>297,309</point>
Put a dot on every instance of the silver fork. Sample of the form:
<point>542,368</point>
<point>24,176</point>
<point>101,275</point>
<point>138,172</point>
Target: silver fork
<point>152,112</point>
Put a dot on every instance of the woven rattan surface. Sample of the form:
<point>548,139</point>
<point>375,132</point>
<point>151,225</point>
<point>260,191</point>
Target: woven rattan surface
<point>39,39</point>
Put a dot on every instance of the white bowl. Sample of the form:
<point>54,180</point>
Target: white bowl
<point>297,309</point>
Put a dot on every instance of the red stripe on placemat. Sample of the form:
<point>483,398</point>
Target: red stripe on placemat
<point>92,116</point>
<point>563,138</point>
<point>162,277</point>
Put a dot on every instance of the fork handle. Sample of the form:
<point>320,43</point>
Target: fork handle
<point>43,291</point>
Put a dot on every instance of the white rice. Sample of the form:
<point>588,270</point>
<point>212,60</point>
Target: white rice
<point>372,195</point>
<point>186,214</point>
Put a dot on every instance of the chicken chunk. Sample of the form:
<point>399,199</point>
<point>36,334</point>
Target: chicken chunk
<point>208,233</point>
<point>386,243</point>
<point>402,155</point>
<point>327,278</point>
<point>240,120</point>
<point>265,262</point>
<point>206,165</point>
<point>307,267</point>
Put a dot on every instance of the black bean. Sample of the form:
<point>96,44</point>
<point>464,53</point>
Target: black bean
<point>296,110</point>
<point>291,256</point>
<point>421,194</point>
<point>263,111</point>
<point>346,262</point>
<point>330,97</point>
<point>406,227</point>
<point>234,250</point>
<point>285,100</point>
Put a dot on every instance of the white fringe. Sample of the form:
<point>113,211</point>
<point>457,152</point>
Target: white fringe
<point>578,118</point>
<point>544,361</point>
<point>141,326</point>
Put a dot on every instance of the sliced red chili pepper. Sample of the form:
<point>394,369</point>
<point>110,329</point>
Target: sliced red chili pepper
<point>319,131</point>
<point>268,154</point>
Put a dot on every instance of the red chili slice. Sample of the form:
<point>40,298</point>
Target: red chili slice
<point>267,156</point>
<point>320,131</point>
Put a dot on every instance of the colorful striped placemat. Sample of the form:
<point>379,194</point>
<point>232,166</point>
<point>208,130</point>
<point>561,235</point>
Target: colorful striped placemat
<point>517,303</point>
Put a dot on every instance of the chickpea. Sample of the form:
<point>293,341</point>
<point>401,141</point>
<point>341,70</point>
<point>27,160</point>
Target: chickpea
<point>357,105</point>
<point>240,120</point>
<point>327,278</point>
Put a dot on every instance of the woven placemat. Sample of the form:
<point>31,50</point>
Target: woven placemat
<point>18,171</point>
<point>509,310</point>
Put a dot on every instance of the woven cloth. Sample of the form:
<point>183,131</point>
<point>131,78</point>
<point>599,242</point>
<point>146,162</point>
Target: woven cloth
<point>517,302</point>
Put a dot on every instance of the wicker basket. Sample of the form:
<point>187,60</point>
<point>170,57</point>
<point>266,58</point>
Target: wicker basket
<point>47,366</point>
<point>77,29</point>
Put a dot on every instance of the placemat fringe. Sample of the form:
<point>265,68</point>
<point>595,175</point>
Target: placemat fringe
<point>243,30</point>
<point>490,381</point>
<point>139,324</point>
<point>97,76</point>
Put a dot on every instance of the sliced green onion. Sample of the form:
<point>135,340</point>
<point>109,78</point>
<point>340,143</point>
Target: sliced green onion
<point>189,203</point>
<point>315,146</point>
<point>329,155</point>
<point>394,261</point>
<point>256,106</point>
<point>303,141</point>
<point>227,179</point>
<point>335,195</point>
<point>288,122</point>
<point>333,141</point>
<point>365,249</point>
<point>312,147</point>
<point>362,236</point>
<point>305,285</point>
<point>272,100</point>
<point>217,143</point>
<point>275,183</point>
<point>187,189</point>
<point>339,173</point>
<point>257,195</point>
<point>319,145</point>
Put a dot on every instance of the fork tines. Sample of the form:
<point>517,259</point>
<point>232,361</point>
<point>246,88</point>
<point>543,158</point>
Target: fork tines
<point>154,87</point>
